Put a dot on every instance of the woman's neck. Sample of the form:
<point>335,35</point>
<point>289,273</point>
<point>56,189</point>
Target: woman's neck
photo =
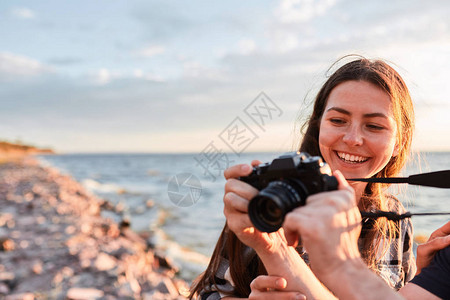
<point>359,188</point>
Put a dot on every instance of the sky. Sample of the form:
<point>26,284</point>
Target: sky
<point>188,76</point>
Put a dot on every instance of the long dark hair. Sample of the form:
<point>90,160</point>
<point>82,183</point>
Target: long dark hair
<point>242,269</point>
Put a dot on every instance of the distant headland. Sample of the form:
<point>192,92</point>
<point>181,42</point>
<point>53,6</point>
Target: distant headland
<point>12,150</point>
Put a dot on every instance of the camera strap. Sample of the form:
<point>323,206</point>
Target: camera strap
<point>390,215</point>
<point>439,179</point>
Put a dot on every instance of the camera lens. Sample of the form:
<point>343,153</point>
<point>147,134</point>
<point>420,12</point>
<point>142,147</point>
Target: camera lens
<point>268,209</point>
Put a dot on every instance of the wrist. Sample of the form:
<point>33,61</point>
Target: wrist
<point>285,261</point>
<point>273,250</point>
<point>344,268</point>
<point>348,271</point>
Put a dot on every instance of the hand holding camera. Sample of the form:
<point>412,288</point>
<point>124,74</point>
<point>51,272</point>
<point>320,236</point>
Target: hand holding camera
<point>284,185</point>
<point>236,199</point>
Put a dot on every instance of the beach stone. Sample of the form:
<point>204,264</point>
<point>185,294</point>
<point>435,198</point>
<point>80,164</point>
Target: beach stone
<point>37,267</point>
<point>105,262</point>
<point>125,291</point>
<point>150,203</point>
<point>7,244</point>
<point>166,286</point>
<point>84,294</point>
<point>165,262</point>
<point>4,289</point>
<point>5,218</point>
<point>21,296</point>
<point>7,276</point>
<point>156,295</point>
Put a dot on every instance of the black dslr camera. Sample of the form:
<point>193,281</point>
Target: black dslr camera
<point>284,185</point>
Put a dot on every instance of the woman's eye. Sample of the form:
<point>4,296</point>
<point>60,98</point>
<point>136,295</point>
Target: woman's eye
<point>337,121</point>
<point>375,127</point>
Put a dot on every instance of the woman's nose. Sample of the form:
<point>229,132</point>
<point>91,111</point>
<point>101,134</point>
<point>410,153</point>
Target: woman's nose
<point>353,136</point>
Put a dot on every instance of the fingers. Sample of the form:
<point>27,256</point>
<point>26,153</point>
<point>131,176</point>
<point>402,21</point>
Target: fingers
<point>236,199</point>
<point>256,162</point>
<point>291,227</point>
<point>240,170</point>
<point>235,202</point>
<point>438,240</point>
<point>240,188</point>
<point>441,232</point>
<point>237,171</point>
<point>434,245</point>
<point>265,282</point>
<point>270,295</point>
<point>343,183</point>
<point>341,179</point>
<point>271,287</point>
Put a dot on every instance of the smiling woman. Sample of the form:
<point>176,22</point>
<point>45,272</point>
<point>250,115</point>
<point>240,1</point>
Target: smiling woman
<point>361,125</point>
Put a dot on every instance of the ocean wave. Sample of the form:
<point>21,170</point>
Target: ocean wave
<point>189,262</point>
<point>96,186</point>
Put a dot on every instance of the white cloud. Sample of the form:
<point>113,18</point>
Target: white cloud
<point>193,69</point>
<point>297,11</point>
<point>13,65</point>
<point>104,76</point>
<point>151,50</point>
<point>138,73</point>
<point>246,46</point>
<point>23,13</point>
<point>283,41</point>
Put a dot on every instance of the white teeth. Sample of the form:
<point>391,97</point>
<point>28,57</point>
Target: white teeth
<point>351,158</point>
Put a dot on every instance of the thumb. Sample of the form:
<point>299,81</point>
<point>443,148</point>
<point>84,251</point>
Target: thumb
<point>343,183</point>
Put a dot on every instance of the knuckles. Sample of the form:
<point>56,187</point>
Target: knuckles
<point>228,198</point>
<point>229,185</point>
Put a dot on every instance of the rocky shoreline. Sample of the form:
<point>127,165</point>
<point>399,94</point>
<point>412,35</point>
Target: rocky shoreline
<point>55,245</point>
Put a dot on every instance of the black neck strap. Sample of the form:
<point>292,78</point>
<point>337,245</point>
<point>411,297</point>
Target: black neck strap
<point>439,179</point>
<point>390,215</point>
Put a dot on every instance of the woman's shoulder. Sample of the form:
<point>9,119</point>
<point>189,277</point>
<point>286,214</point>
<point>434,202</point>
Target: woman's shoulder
<point>394,204</point>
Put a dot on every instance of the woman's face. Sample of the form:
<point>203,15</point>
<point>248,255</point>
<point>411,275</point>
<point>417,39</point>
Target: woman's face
<point>357,131</point>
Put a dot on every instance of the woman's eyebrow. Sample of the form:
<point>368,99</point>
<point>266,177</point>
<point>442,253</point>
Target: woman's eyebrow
<point>340,110</point>
<point>346,112</point>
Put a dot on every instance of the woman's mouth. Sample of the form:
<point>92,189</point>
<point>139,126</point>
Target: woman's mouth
<point>351,158</point>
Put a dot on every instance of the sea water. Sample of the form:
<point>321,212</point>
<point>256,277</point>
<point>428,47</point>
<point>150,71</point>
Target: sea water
<point>144,188</point>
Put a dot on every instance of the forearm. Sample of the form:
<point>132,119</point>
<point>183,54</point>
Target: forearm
<point>353,280</point>
<point>287,263</point>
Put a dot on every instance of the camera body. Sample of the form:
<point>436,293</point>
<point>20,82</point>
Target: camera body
<point>284,185</point>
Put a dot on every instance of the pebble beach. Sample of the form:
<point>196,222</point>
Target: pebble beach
<point>55,245</point>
